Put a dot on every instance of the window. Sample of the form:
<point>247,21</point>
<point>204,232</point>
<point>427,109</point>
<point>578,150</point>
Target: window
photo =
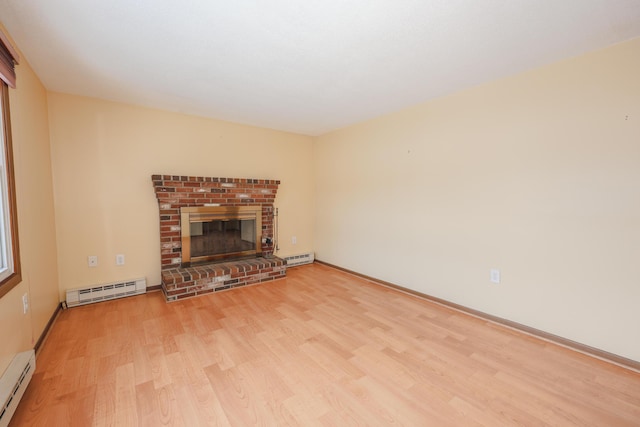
<point>9,250</point>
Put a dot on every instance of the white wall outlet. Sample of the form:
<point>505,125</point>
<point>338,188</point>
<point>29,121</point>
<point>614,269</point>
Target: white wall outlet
<point>494,275</point>
<point>120,259</point>
<point>294,240</point>
<point>92,260</point>
<point>25,303</point>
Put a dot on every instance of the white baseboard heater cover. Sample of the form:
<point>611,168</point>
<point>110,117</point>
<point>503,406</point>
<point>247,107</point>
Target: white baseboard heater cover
<point>109,291</point>
<point>294,260</point>
<point>14,382</point>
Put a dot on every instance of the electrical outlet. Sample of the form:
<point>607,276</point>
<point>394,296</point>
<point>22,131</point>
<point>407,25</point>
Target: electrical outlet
<point>92,261</point>
<point>494,275</point>
<point>25,303</point>
<point>120,259</point>
<point>294,240</point>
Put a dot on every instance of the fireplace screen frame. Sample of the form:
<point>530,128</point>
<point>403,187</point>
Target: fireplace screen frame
<point>194,214</point>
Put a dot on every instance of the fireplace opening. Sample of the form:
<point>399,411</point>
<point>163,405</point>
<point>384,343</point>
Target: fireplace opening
<point>212,233</point>
<point>222,236</point>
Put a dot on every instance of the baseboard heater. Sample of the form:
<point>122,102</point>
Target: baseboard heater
<point>294,260</point>
<point>14,382</point>
<point>109,291</point>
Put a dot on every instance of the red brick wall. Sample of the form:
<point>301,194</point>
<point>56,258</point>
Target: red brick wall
<point>174,192</point>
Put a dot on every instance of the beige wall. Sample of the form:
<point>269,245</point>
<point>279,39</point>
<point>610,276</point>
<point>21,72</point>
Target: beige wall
<point>34,193</point>
<point>537,175</point>
<point>104,154</point>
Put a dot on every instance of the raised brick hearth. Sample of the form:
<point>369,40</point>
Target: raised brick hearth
<point>185,282</point>
<point>174,192</point>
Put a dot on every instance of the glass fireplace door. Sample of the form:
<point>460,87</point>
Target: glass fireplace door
<point>222,237</point>
<point>211,233</point>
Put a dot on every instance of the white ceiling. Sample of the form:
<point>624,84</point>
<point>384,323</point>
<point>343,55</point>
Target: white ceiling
<point>302,66</point>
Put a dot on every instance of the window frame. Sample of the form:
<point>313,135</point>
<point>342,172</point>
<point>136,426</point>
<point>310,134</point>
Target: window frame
<point>10,219</point>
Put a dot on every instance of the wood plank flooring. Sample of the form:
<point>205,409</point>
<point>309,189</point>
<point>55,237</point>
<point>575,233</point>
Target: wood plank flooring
<point>320,347</point>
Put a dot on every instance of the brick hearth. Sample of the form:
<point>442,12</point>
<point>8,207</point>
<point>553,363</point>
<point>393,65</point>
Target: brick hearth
<point>179,283</point>
<point>174,192</point>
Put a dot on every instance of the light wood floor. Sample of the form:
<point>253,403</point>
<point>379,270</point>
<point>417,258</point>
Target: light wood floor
<point>319,348</point>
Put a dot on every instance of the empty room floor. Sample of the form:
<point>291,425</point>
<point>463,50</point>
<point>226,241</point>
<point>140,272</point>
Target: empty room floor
<point>320,347</point>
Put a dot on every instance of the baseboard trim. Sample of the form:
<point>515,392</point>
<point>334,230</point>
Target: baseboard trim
<point>154,288</point>
<point>537,333</point>
<point>45,332</point>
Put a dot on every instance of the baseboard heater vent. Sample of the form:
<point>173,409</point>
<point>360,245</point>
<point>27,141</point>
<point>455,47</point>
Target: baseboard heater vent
<point>106,292</point>
<point>14,382</point>
<point>294,260</point>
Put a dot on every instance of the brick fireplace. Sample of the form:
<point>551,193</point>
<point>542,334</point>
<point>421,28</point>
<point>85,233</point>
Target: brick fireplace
<point>176,192</point>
